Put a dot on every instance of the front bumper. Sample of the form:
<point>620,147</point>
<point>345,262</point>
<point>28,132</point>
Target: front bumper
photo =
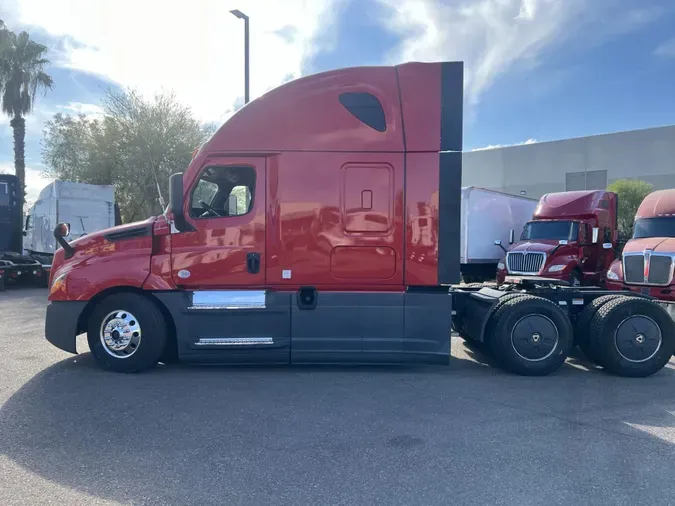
<point>666,293</point>
<point>61,323</point>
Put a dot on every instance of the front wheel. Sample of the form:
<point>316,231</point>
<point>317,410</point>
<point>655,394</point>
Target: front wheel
<point>127,333</point>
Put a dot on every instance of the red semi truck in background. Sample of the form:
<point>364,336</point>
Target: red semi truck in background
<point>239,270</point>
<point>572,237</point>
<point>648,259</point>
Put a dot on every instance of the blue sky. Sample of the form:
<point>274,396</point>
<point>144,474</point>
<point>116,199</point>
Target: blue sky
<point>536,69</point>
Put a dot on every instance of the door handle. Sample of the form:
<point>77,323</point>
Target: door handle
<point>253,262</point>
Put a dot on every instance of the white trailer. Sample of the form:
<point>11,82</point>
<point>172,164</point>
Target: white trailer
<point>86,208</point>
<point>488,215</point>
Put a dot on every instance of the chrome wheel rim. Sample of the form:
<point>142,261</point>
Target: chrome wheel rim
<point>120,334</point>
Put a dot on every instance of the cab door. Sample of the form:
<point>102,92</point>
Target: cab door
<point>226,208</point>
<point>223,312</point>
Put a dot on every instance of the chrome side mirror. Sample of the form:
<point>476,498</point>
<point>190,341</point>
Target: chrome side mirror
<point>594,237</point>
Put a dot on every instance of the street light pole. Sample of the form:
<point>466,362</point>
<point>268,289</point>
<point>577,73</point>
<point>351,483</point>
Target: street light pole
<point>243,16</point>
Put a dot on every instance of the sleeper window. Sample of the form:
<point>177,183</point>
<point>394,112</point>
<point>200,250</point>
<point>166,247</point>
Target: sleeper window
<point>223,192</point>
<point>366,107</point>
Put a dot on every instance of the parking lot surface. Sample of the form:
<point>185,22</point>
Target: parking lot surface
<point>463,434</point>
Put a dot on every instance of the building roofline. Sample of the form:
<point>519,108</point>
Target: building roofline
<point>523,145</point>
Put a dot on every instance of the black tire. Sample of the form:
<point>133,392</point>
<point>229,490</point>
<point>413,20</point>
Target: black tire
<point>473,285</point>
<point>583,325</point>
<point>469,279</point>
<point>139,312</point>
<point>489,327</point>
<point>482,345</point>
<point>616,328</point>
<point>550,337</point>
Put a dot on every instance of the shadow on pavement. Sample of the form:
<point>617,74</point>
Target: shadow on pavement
<point>215,435</point>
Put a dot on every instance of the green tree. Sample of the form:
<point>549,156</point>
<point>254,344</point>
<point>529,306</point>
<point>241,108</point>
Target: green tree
<point>22,63</point>
<point>631,193</point>
<point>135,145</point>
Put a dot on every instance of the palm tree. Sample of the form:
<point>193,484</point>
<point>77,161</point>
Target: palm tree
<point>21,74</point>
<point>5,44</point>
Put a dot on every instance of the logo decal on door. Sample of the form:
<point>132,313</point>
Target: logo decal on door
<point>183,274</point>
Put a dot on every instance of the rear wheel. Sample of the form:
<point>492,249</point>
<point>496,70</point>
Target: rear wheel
<point>482,345</point>
<point>127,333</point>
<point>530,335</point>
<point>633,337</point>
<point>583,324</point>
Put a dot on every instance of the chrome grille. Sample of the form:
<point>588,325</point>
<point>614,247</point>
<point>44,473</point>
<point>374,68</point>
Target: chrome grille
<point>519,262</point>
<point>659,269</point>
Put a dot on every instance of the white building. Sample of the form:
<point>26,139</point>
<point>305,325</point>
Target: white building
<point>575,164</point>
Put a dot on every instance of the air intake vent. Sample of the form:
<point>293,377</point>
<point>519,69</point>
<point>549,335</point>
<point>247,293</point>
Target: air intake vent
<point>129,233</point>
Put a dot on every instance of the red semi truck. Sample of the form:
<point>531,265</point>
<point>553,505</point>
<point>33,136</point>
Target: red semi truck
<point>572,237</point>
<point>240,270</point>
<point>648,259</point>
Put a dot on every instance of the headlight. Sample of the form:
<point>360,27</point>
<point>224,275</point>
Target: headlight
<point>501,266</point>
<point>556,268</point>
<point>612,275</point>
<point>58,283</point>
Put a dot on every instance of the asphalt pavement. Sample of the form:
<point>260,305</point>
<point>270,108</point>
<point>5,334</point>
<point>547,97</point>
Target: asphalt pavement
<point>463,434</point>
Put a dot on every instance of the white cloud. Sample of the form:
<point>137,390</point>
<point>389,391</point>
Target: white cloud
<point>497,146</point>
<point>666,49</point>
<point>192,47</point>
<point>493,36</point>
<point>81,108</point>
<point>490,36</point>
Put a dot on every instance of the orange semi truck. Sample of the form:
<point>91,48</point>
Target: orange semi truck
<point>239,269</point>
<point>647,264</point>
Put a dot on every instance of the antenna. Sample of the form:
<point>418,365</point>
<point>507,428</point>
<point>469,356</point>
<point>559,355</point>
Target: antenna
<point>154,173</point>
<point>152,166</point>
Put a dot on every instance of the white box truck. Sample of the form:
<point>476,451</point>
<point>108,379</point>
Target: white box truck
<point>488,215</point>
<point>86,208</point>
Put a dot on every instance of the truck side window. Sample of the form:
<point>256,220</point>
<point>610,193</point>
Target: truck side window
<point>223,191</point>
<point>366,107</point>
<point>4,194</point>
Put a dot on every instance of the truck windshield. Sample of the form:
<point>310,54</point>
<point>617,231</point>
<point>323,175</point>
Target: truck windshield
<point>551,230</point>
<point>662,226</point>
